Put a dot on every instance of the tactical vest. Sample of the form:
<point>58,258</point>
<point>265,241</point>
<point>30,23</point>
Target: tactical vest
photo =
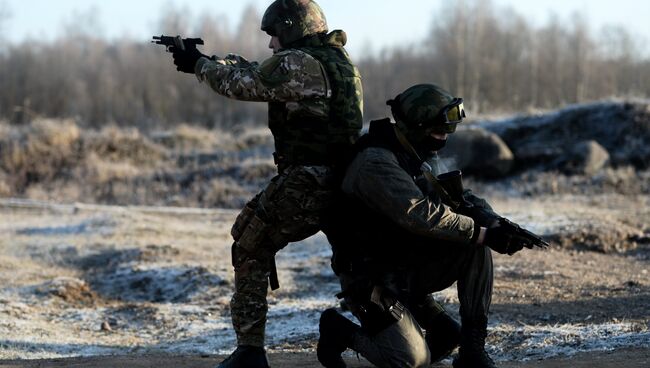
<point>308,139</point>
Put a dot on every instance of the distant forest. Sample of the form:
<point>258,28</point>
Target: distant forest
<point>490,55</point>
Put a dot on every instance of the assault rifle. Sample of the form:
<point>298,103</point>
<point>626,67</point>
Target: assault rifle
<point>452,183</point>
<point>177,41</point>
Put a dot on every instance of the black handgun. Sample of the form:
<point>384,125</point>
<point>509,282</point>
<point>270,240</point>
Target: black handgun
<point>530,240</point>
<point>452,183</point>
<point>177,41</point>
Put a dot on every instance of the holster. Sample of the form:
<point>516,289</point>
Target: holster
<point>242,220</point>
<point>239,255</point>
<point>380,311</point>
<point>253,235</point>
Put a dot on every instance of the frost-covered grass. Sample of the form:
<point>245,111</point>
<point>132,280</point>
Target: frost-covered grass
<point>534,342</point>
<point>161,280</point>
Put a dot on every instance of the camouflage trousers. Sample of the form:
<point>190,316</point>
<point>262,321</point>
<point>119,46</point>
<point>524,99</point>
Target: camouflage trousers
<point>289,209</point>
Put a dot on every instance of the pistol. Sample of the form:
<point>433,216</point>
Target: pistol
<point>177,41</point>
<point>452,183</point>
<point>531,240</point>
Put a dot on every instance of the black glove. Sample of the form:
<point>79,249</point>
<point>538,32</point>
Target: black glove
<point>502,241</point>
<point>185,60</point>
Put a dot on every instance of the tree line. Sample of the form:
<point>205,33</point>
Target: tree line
<point>490,55</point>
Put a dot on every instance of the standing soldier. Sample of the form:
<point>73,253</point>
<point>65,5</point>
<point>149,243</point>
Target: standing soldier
<point>315,114</point>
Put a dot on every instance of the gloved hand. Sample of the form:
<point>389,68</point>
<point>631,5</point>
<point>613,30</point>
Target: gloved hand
<point>502,241</point>
<point>185,60</point>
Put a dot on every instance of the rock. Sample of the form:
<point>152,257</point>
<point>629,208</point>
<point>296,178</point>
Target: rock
<point>106,326</point>
<point>70,290</point>
<point>621,128</point>
<point>599,235</point>
<point>586,158</point>
<point>478,152</point>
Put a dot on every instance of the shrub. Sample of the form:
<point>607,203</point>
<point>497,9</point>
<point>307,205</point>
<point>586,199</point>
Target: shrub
<point>44,150</point>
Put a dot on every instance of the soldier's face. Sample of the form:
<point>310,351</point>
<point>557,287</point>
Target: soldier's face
<point>275,44</point>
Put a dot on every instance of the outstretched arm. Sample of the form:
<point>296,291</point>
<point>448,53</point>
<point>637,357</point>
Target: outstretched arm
<point>286,76</point>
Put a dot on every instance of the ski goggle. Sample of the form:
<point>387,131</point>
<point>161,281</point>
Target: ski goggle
<point>454,113</point>
<point>447,119</point>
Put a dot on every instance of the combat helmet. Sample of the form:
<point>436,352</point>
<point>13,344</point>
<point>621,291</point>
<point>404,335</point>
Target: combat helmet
<point>291,20</point>
<point>424,109</point>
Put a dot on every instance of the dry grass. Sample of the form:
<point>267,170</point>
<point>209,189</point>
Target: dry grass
<point>5,189</point>
<point>124,145</point>
<point>192,166</point>
<point>224,192</point>
<point>42,151</point>
<point>254,137</point>
<point>101,170</point>
<point>187,138</point>
<point>56,160</point>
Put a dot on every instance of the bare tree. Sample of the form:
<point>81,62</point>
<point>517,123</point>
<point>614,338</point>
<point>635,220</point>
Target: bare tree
<point>214,30</point>
<point>618,55</point>
<point>5,14</point>
<point>579,49</point>
<point>250,39</point>
<point>175,21</point>
<point>84,24</point>
<point>490,55</point>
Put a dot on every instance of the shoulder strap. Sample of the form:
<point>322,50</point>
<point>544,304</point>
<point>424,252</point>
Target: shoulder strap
<point>427,171</point>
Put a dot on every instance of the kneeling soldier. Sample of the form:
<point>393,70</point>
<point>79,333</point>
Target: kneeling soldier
<point>398,236</point>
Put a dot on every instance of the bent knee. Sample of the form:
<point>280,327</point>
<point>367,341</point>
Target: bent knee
<point>413,355</point>
<point>419,357</point>
<point>412,358</point>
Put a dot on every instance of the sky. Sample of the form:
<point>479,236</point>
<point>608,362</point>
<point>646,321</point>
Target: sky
<point>401,21</point>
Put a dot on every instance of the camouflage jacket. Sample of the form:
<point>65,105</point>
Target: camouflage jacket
<point>290,75</point>
<point>377,180</point>
<point>314,93</point>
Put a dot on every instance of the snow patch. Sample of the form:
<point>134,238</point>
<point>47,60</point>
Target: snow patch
<point>155,282</point>
<point>101,225</point>
<point>534,342</point>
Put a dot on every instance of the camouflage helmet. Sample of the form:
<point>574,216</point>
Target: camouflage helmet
<point>426,108</point>
<point>291,20</point>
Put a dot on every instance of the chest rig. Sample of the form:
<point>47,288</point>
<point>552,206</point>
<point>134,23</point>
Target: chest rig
<point>322,130</point>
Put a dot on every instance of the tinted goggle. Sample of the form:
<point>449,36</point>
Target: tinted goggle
<point>448,118</point>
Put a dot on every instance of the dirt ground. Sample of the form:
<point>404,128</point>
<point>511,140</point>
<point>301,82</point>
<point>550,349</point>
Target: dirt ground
<point>149,287</point>
<point>629,358</point>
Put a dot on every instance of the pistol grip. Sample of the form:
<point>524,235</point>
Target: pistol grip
<point>178,42</point>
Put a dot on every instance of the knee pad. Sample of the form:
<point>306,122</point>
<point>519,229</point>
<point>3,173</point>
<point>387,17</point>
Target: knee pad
<point>247,264</point>
<point>253,234</point>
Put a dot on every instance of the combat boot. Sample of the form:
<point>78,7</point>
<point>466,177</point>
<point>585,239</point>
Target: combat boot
<point>442,331</point>
<point>246,356</point>
<point>472,352</point>
<point>336,335</point>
